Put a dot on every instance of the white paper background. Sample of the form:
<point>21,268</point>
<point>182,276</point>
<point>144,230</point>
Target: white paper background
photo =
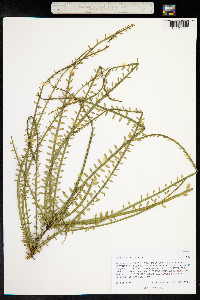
<point>163,88</point>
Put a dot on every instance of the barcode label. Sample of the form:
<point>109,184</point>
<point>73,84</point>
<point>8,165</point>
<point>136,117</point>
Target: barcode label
<point>179,24</point>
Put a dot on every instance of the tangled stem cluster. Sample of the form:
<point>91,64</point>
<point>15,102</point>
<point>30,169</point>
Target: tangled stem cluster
<point>55,212</point>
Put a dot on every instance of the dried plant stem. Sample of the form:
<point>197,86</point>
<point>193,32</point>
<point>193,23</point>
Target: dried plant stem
<point>55,213</point>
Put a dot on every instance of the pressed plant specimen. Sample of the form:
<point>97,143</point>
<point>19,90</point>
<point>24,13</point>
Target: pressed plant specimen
<point>45,209</point>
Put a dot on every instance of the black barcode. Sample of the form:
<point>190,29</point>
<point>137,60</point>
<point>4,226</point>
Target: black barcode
<point>179,23</point>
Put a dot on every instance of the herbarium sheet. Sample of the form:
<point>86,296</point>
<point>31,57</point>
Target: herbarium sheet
<point>99,156</point>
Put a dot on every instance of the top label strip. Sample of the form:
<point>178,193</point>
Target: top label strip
<point>102,7</point>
